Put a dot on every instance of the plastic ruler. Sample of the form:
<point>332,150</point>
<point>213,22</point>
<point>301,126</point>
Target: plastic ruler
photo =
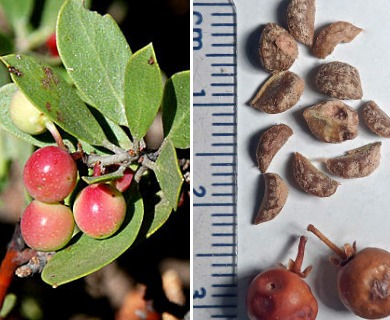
<point>214,160</point>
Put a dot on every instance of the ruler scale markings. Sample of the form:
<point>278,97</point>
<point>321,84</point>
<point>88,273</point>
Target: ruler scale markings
<point>215,293</point>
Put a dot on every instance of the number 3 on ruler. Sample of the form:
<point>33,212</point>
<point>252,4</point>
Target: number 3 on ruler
<point>201,192</point>
<point>200,294</point>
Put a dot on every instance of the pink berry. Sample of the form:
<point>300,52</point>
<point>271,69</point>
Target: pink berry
<point>47,226</point>
<point>99,210</point>
<point>122,184</point>
<point>50,174</point>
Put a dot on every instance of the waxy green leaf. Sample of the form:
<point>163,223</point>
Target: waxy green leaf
<point>87,255</point>
<point>49,93</point>
<point>161,212</point>
<point>176,109</point>
<point>143,91</point>
<point>95,53</point>
<point>168,173</point>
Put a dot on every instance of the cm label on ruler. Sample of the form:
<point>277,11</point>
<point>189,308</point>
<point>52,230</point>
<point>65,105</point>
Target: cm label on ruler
<point>214,161</point>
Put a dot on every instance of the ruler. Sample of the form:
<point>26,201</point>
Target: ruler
<point>214,160</point>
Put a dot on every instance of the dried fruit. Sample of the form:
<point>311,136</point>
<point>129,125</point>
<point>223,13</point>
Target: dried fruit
<point>281,293</point>
<point>275,197</point>
<point>363,278</point>
<point>332,121</point>
<point>300,20</point>
<point>339,80</point>
<point>376,119</point>
<point>358,163</point>
<point>312,180</point>
<point>270,143</point>
<point>280,92</point>
<point>333,34</point>
<point>277,49</point>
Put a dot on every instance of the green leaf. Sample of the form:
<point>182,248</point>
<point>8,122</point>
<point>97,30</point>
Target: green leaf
<point>17,12</point>
<point>176,109</point>
<point>162,211</point>
<point>143,91</point>
<point>168,173</point>
<point>6,93</point>
<point>95,53</point>
<point>49,93</point>
<point>88,255</point>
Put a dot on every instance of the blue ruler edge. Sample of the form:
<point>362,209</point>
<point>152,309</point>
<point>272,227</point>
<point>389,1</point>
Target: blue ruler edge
<point>214,160</point>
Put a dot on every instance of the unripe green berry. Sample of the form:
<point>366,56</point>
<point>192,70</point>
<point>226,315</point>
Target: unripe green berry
<point>47,227</point>
<point>99,210</point>
<point>26,116</point>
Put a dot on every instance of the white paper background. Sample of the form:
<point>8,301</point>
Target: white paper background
<point>359,210</point>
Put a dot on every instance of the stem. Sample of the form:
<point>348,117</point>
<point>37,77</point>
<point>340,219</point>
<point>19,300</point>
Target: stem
<point>301,253</point>
<point>15,256</point>
<point>56,134</point>
<point>340,252</point>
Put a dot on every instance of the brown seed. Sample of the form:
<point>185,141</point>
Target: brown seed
<point>333,34</point>
<point>339,80</point>
<point>270,143</point>
<point>277,49</point>
<point>280,92</point>
<point>312,180</point>
<point>332,121</point>
<point>275,198</point>
<point>300,20</point>
<point>357,163</point>
<point>376,119</point>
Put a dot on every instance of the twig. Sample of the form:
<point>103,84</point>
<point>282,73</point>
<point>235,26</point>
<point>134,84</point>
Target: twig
<point>16,255</point>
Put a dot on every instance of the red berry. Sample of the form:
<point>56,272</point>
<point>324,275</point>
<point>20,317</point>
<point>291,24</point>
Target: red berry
<point>99,210</point>
<point>363,278</point>
<point>281,293</point>
<point>47,227</point>
<point>122,184</point>
<point>51,44</point>
<point>50,174</point>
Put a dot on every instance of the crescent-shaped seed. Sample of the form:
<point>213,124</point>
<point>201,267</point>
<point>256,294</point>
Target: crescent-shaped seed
<point>357,163</point>
<point>312,180</point>
<point>376,119</point>
<point>274,199</point>
<point>270,143</point>
<point>333,34</point>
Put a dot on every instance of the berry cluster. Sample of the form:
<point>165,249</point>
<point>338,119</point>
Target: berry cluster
<point>50,175</point>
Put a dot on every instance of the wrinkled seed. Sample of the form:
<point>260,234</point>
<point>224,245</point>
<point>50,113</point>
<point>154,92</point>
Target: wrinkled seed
<point>280,92</point>
<point>332,121</point>
<point>277,49</point>
<point>300,20</point>
<point>339,80</point>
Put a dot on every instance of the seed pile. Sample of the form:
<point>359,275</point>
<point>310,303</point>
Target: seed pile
<point>330,121</point>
